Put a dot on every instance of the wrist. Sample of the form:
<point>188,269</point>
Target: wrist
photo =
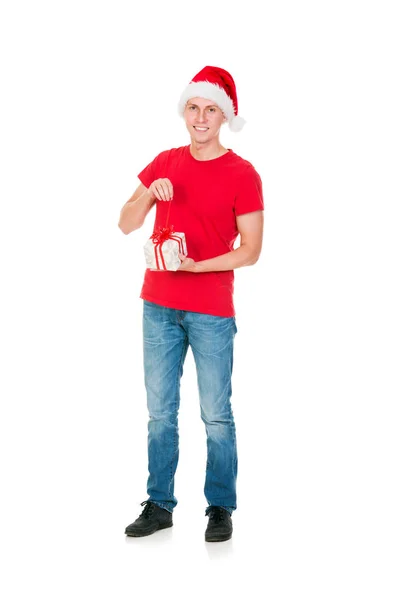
<point>199,267</point>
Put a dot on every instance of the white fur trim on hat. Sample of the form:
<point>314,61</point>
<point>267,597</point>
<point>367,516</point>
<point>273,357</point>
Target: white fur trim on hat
<point>214,92</point>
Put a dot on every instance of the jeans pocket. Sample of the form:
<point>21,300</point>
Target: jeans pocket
<point>234,325</point>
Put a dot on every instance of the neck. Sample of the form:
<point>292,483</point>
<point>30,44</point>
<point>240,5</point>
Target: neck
<point>208,150</point>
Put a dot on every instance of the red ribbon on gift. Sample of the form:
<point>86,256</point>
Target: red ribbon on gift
<point>163,234</point>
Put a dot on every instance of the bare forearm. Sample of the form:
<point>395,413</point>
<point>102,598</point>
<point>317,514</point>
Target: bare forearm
<point>241,257</point>
<point>134,213</point>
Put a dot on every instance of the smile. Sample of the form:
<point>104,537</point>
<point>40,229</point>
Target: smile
<point>200,128</point>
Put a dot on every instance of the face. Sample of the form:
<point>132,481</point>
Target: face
<point>203,119</point>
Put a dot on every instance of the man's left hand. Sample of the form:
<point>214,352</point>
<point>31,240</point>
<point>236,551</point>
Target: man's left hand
<point>187,264</point>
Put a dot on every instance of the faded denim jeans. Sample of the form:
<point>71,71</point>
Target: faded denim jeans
<point>167,334</point>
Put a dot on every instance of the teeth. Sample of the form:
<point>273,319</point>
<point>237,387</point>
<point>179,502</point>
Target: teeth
<point>201,128</point>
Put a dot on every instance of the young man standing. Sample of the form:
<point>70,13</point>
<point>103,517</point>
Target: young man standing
<point>216,195</point>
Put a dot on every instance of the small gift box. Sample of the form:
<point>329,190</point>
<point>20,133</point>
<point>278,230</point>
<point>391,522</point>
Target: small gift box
<point>162,250</point>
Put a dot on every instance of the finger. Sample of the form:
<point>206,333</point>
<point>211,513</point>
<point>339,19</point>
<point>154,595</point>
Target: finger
<point>157,195</point>
<point>163,189</point>
<point>171,190</point>
<point>153,191</point>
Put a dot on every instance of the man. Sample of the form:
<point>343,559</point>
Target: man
<point>215,196</point>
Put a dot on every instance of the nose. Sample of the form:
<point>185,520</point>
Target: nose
<point>201,116</point>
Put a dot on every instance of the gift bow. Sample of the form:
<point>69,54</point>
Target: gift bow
<point>163,233</point>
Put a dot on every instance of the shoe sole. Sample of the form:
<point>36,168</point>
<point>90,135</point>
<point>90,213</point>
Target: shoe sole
<point>220,538</point>
<point>140,534</point>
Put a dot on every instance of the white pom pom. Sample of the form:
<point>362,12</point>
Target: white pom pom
<point>236,123</point>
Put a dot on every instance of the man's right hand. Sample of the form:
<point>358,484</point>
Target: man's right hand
<point>161,189</point>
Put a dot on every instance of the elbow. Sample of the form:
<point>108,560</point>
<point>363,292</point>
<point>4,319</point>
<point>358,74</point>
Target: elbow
<point>129,230</point>
<point>251,253</point>
<point>122,229</point>
<point>254,258</point>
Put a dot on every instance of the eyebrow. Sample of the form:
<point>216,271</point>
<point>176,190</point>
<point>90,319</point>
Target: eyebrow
<point>208,105</point>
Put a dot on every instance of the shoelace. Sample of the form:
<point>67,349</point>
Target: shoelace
<point>148,509</point>
<point>216,513</point>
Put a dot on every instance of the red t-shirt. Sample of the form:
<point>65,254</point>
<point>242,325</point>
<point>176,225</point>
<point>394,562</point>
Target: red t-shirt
<point>208,195</point>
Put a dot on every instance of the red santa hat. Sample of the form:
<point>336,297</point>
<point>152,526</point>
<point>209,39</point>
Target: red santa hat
<point>217,85</point>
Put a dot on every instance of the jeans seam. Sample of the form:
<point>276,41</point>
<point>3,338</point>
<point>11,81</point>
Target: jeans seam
<point>176,405</point>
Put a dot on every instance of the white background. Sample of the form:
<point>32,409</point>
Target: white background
<point>89,97</point>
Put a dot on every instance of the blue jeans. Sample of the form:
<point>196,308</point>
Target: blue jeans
<point>167,334</point>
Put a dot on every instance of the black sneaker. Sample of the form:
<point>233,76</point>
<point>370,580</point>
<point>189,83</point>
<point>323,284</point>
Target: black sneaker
<point>153,517</point>
<point>219,528</point>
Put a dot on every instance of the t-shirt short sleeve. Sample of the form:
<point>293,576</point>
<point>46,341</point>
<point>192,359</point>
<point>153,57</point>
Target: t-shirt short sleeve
<point>249,197</point>
<point>149,173</point>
